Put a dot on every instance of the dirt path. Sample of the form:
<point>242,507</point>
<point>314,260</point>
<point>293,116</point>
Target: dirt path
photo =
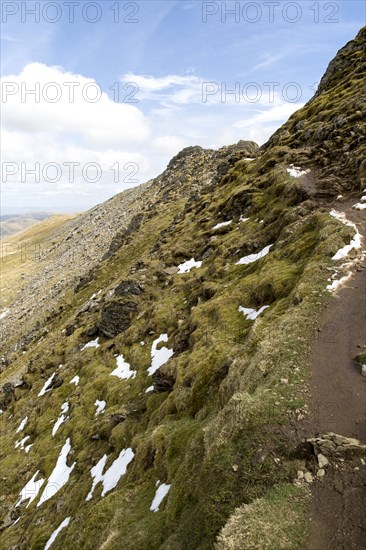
<point>338,511</point>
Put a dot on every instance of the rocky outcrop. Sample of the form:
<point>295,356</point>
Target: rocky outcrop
<point>334,445</point>
<point>116,317</point>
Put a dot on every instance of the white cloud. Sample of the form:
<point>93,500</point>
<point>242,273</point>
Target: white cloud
<point>139,138</point>
<point>100,123</point>
<point>272,114</point>
<point>171,89</point>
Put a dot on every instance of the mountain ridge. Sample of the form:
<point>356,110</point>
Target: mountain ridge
<point>177,355</point>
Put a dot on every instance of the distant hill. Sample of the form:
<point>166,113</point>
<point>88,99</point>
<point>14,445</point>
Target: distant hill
<point>13,223</point>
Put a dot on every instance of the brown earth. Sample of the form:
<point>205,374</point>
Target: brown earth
<point>338,509</point>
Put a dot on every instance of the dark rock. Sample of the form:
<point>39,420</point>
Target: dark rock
<point>163,380</point>
<point>304,451</point>
<point>6,396</point>
<point>92,331</point>
<point>128,287</point>
<point>56,382</point>
<point>116,317</point>
<point>69,330</point>
<point>118,418</point>
<point>84,281</point>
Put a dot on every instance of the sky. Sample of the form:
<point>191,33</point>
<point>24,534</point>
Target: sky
<point>97,97</point>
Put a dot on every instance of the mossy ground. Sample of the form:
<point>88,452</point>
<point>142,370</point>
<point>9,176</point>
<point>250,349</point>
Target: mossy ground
<point>214,436</point>
<point>203,437</point>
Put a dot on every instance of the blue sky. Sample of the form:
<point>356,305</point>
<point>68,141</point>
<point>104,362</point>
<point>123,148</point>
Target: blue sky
<point>172,52</point>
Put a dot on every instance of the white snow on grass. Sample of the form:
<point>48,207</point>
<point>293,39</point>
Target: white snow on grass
<point>28,448</point>
<point>4,314</point>
<point>338,283</point>
<point>160,494</point>
<point>242,219</point>
<point>363,198</point>
<point>75,380</point>
<point>100,405</point>
<point>296,172</point>
<point>52,538</point>
<point>47,385</point>
<point>59,476</point>
<point>114,473</point>
<point>355,242</point>
<point>254,257</point>
<point>188,265</point>
<point>20,443</point>
<point>22,424</point>
<point>149,389</point>
<point>222,224</point>
<point>359,205</point>
<point>159,356</point>
<point>1,411</point>
<point>251,314</point>
<point>123,370</point>
<point>30,490</point>
<point>91,344</point>
<point>61,419</point>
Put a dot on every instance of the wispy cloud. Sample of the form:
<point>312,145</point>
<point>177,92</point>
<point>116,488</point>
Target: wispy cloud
<point>8,38</point>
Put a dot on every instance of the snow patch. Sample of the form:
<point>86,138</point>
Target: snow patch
<point>359,205</point>
<point>251,314</point>
<point>22,424</point>
<point>296,172</point>
<point>254,257</point>
<point>60,474</point>
<point>100,405</point>
<point>4,314</point>
<point>159,356</point>
<point>160,494</point>
<point>114,473</point>
<point>20,443</point>
<point>188,265</point>
<point>222,224</point>
<point>355,242</point>
<point>337,283</point>
<point>149,389</point>
<point>75,380</point>
<point>30,490</point>
<point>242,219</point>
<point>47,385</point>
<point>61,419</point>
<point>52,538</point>
<point>123,370</point>
<point>91,344</point>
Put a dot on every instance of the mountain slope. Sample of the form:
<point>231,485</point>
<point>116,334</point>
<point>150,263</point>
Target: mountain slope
<point>175,359</point>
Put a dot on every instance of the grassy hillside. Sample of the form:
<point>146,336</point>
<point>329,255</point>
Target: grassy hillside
<point>217,428</point>
<point>21,253</point>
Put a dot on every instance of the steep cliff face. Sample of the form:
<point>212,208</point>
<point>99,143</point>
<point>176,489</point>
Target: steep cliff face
<point>329,133</point>
<point>164,395</point>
